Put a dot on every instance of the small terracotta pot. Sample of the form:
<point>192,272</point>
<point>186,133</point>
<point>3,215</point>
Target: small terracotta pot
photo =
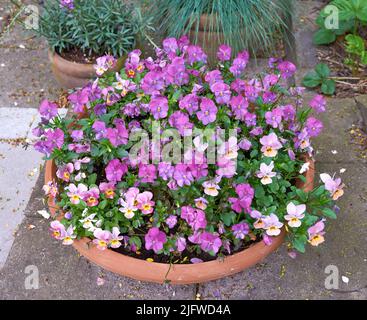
<point>209,41</point>
<point>177,273</point>
<point>71,74</point>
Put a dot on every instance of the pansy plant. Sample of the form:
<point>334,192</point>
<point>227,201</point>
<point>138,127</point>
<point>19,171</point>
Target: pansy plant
<point>177,159</point>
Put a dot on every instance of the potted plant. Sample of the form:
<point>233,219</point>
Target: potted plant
<point>174,172</point>
<point>79,31</point>
<point>255,25</point>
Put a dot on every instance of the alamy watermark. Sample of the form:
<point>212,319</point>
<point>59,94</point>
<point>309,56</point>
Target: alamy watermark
<point>31,281</point>
<point>332,17</point>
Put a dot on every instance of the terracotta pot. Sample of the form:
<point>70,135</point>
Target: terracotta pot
<point>209,41</point>
<point>72,74</point>
<point>178,273</point>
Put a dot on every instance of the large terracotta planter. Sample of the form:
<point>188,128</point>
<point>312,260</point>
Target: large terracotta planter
<point>72,74</point>
<point>178,273</point>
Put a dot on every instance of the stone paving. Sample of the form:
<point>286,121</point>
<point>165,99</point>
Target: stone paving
<point>66,275</point>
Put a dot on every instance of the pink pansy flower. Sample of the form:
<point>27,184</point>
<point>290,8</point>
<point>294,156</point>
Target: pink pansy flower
<point>119,135</point>
<point>115,241</point>
<point>147,173</point>
<point>211,187</point>
<point>201,203</point>
<point>102,238</point>
<point>144,202</point>
<point>287,69</point>
<point>210,242</point>
<point>224,52</point>
<point>266,173</point>
<point>270,145</point>
<point>91,197</point>
<point>316,233</point>
<point>159,107</point>
<point>79,162</point>
<point>57,230</point>
<point>50,188</point>
<point>334,186</point>
<point>245,195</point>
<point>295,213</point>
<point>171,221</point>
<point>194,217</point>
<point>222,92</point>
<point>155,239</point>
<point>318,103</point>
<point>108,189</point>
<point>272,225</point>
<point>208,111</point>
<point>131,194</point>
<point>181,244</point>
<point>69,236</point>
<point>76,193</point>
<point>124,85</point>
<point>240,230</point>
<point>190,103</point>
<point>64,172</point>
<point>115,170</point>
<point>183,175</point>
<point>229,149</point>
<point>239,107</point>
<point>226,167</point>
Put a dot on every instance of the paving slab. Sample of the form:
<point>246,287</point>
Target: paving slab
<point>63,274</point>
<point>334,143</point>
<point>280,277</point>
<point>19,169</point>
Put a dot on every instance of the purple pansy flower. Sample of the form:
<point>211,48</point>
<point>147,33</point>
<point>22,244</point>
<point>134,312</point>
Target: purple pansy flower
<point>208,111</point>
<point>224,52</point>
<point>155,239</point>
<point>159,107</point>
<point>115,169</point>
<point>240,230</point>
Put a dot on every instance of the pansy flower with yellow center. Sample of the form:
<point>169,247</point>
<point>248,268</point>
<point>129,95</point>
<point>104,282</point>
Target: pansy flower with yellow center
<point>295,213</point>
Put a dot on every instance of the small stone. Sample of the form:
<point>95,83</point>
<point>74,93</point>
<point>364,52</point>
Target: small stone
<point>342,170</point>
<point>345,279</point>
<point>31,226</point>
<point>334,151</point>
<point>22,46</point>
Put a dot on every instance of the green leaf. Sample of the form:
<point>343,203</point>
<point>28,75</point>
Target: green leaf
<point>92,178</point>
<point>299,243</point>
<point>102,204</point>
<point>135,240</point>
<point>329,213</point>
<point>328,87</point>
<point>312,80</point>
<point>324,36</point>
<point>322,70</point>
<point>228,218</point>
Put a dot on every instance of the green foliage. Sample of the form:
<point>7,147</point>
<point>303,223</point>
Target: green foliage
<point>245,24</point>
<point>320,77</point>
<point>356,48</point>
<point>352,15</point>
<point>94,26</point>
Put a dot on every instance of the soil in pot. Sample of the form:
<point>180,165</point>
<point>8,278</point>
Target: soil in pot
<point>78,56</point>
